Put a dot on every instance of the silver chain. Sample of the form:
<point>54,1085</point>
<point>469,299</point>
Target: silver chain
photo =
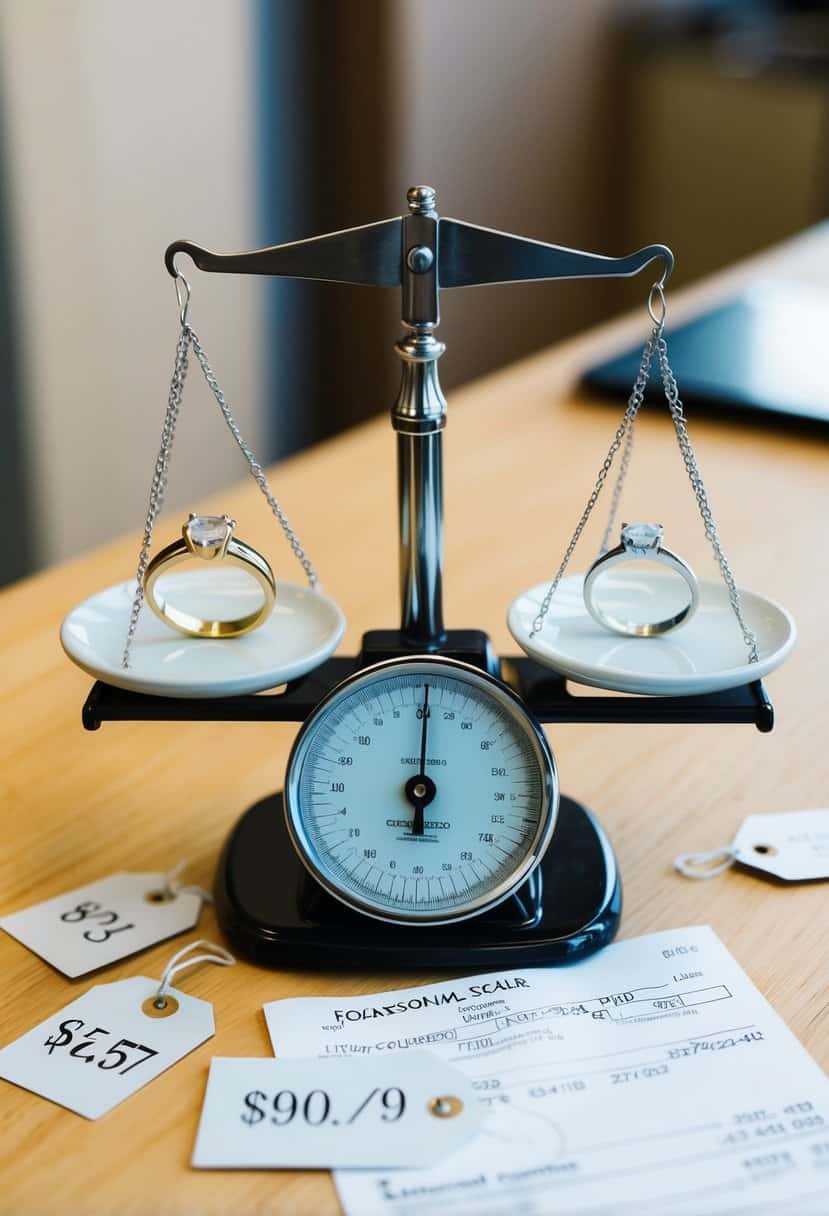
<point>656,344</point>
<point>680,426</point>
<point>255,468</point>
<point>624,431</point>
<point>158,487</point>
<point>627,450</point>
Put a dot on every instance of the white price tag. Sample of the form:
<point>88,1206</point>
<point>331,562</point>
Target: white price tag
<point>107,920</point>
<point>396,1110</point>
<point>793,845</point>
<point>107,1044</point>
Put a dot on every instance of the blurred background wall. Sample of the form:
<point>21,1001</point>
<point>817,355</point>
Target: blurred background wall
<point>123,125</point>
<point>602,124</point>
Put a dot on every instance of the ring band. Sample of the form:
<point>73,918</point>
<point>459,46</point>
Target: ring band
<point>210,538</point>
<point>638,542</point>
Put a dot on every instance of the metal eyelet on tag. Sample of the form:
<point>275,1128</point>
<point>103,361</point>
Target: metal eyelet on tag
<point>160,1007</point>
<point>160,897</point>
<point>444,1107</point>
<point>172,888</point>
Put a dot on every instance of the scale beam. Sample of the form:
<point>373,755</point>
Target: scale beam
<point>420,253</point>
<point>456,253</point>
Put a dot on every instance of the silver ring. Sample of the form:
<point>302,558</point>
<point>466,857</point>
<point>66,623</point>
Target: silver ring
<point>640,542</point>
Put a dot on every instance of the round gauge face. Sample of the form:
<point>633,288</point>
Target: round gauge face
<point>421,791</point>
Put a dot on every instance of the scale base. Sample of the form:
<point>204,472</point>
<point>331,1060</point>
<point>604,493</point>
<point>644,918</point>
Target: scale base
<point>273,911</point>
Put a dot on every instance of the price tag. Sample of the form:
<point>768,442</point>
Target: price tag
<point>107,920</point>
<point>793,845</point>
<point>399,1110</point>
<point>107,1044</point>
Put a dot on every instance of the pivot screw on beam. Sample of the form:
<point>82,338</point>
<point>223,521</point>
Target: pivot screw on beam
<point>419,259</point>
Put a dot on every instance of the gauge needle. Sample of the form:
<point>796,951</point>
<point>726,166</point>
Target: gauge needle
<point>418,790</point>
<point>423,732</point>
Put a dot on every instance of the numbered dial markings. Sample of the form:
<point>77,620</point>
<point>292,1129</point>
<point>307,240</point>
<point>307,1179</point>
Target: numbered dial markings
<point>421,791</point>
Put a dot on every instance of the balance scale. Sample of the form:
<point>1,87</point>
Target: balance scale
<point>350,867</point>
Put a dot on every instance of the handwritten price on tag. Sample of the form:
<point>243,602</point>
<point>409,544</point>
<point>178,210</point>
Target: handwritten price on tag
<point>316,1107</point>
<point>73,1026</point>
<point>374,1112</point>
<point>90,910</point>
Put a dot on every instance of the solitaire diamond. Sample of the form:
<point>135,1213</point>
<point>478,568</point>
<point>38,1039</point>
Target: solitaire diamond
<point>209,531</point>
<point>642,538</point>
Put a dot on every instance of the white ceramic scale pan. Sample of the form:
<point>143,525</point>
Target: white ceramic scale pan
<point>303,630</point>
<point>705,655</point>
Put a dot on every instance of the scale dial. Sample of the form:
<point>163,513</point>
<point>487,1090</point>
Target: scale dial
<point>421,791</point>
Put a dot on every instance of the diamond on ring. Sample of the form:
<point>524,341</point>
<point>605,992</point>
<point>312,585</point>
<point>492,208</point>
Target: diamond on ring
<point>642,538</point>
<point>207,535</point>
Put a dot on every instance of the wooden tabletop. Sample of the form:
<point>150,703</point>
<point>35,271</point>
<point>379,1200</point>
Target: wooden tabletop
<point>522,450</point>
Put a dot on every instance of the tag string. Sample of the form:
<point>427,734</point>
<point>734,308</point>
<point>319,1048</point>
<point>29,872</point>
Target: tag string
<point>179,962</point>
<point>706,865</point>
<point>172,887</point>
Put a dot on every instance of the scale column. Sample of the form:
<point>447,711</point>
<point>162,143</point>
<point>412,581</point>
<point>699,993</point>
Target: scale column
<point>419,416</point>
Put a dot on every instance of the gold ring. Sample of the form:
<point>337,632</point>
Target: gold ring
<point>210,538</point>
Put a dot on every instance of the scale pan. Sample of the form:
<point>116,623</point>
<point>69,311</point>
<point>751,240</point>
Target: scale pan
<point>707,654</point>
<point>303,630</point>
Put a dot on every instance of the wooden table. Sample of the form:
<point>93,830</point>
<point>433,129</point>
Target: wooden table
<point>522,450</point>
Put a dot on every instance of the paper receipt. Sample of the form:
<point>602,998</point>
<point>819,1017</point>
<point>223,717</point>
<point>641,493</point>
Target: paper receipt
<point>651,1077</point>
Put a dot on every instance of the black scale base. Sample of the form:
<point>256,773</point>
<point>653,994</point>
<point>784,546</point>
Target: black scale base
<point>274,912</point>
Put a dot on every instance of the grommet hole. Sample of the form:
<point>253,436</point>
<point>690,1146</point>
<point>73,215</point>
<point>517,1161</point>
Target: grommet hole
<point>160,897</point>
<point>160,1006</point>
